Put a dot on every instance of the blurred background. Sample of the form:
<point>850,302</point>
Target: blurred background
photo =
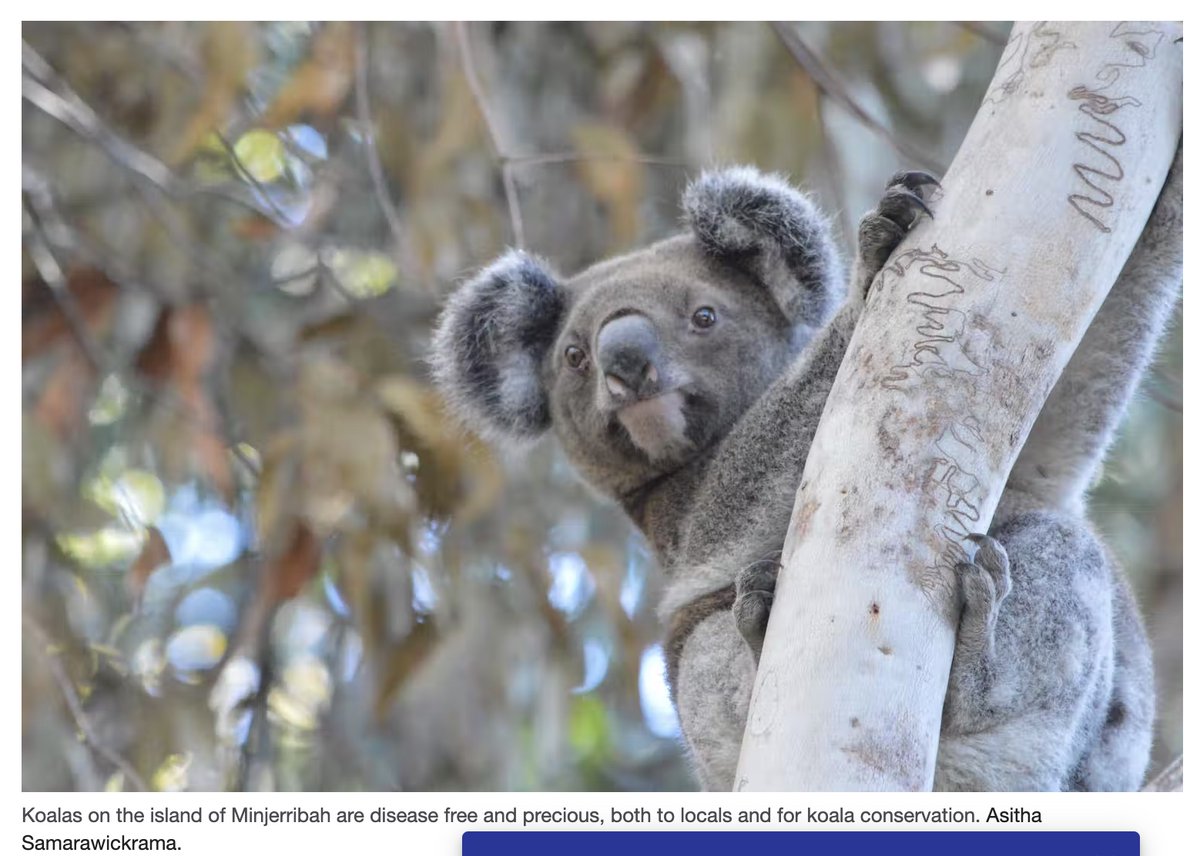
<point>256,555</point>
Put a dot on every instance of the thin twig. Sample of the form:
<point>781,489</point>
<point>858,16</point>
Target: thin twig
<point>65,239</point>
<point>509,160</point>
<point>362,103</point>
<point>75,706</point>
<point>583,157</point>
<point>978,28</point>
<point>833,87</point>
<point>52,274</point>
<point>489,121</point>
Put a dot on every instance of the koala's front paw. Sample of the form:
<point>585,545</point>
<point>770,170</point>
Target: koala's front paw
<point>984,582</point>
<point>881,230</point>
<point>754,591</point>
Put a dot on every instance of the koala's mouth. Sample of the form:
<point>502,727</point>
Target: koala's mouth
<point>657,425</point>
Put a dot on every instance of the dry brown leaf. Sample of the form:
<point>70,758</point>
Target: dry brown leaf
<point>453,478</point>
<point>459,130</point>
<point>210,455</point>
<point>255,227</point>
<point>230,52</point>
<point>180,351</point>
<point>153,556</point>
<point>402,661</point>
<point>319,85</point>
<point>181,348</point>
<point>354,555</point>
<point>276,495</point>
<point>62,405</point>
<point>154,360</point>
<point>293,568</point>
<point>43,323</point>
<point>614,175</point>
<point>193,342</point>
<point>349,458</point>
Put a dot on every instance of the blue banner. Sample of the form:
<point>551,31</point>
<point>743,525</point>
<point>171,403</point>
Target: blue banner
<point>801,843</point>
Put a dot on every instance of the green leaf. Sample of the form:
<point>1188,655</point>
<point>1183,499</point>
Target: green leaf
<point>364,274</point>
<point>261,153</point>
<point>589,729</point>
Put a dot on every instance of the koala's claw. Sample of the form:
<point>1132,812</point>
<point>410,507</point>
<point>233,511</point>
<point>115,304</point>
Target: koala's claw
<point>915,180</point>
<point>902,206</point>
<point>881,230</point>
<point>993,558</point>
<point>754,591</point>
<point>984,582</point>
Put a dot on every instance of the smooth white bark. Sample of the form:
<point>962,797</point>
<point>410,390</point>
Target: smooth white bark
<point>961,340</point>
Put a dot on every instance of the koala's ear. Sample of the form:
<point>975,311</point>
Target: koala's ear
<point>772,231</point>
<point>489,344</point>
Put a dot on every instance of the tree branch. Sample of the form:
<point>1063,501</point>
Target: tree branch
<point>960,343</point>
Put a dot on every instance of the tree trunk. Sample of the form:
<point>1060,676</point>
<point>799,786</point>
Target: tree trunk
<point>963,336</point>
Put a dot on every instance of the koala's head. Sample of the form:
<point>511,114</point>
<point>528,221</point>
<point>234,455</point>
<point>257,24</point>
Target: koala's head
<point>643,362</point>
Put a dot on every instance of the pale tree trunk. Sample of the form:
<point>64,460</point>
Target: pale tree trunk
<point>962,339</point>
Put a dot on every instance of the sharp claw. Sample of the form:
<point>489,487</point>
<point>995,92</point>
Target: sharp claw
<point>914,179</point>
<point>905,193</point>
<point>977,537</point>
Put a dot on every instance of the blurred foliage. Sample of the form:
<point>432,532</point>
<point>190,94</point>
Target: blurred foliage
<point>256,554</point>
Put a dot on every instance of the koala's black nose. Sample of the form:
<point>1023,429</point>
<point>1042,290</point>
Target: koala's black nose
<point>627,351</point>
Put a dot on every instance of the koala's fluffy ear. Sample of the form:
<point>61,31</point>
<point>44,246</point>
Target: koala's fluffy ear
<point>489,344</point>
<point>766,227</point>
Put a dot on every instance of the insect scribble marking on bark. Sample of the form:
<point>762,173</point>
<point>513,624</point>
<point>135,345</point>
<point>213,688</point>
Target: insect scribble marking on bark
<point>1141,43</point>
<point>939,349</point>
<point>943,361</point>
<point>1094,106</point>
<point>1027,49</point>
<point>960,491</point>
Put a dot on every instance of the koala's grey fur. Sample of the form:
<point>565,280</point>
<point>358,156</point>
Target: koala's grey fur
<point>1051,685</point>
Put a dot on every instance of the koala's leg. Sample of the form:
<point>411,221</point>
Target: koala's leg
<point>1079,419</point>
<point>881,230</point>
<point>1032,674</point>
<point>984,583</point>
<point>715,679</point>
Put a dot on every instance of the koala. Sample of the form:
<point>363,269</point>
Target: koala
<point>685,381</point>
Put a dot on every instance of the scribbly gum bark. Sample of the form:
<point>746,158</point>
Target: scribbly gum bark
<point>962,338</point>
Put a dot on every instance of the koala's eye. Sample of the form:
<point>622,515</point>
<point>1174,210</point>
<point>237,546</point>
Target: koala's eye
<point>704,317</point>
<point>575,356</point>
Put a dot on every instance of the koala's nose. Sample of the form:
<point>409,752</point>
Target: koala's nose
<point>627,351</point>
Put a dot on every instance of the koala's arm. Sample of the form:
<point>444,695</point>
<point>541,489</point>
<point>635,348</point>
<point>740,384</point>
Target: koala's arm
<point>1079,420</point>
<point>751,486</point>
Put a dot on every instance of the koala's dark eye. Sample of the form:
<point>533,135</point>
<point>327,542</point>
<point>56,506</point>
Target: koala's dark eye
<point>704,317</point>
<point>575,357</point>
